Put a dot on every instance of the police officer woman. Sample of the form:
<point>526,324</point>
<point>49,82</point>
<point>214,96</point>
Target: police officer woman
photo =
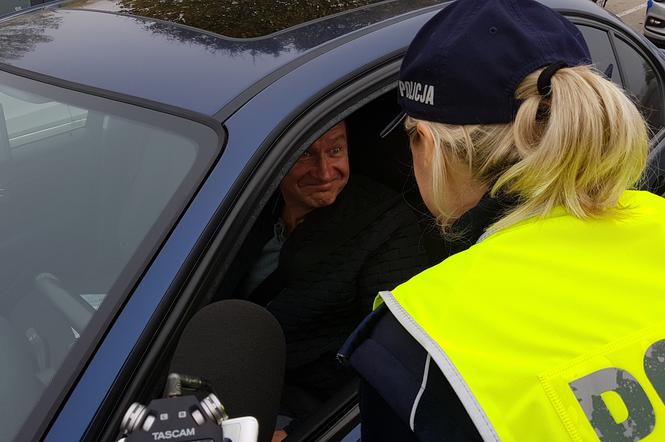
<point>550,327</point>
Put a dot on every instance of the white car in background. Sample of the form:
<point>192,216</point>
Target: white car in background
<point>7,6</point>
<point>654,23</point>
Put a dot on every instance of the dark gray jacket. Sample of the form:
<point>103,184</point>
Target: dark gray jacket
<point>330,269</point>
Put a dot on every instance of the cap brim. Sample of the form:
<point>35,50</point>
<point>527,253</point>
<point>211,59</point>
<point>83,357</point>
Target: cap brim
<point>397,121</point>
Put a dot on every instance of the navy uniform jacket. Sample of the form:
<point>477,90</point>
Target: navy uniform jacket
<point>403,394</point>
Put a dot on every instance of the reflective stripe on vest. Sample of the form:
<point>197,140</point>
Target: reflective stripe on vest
<point>552,329</point>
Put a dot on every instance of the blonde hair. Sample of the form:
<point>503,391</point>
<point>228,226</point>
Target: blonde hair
<point>578,147</point>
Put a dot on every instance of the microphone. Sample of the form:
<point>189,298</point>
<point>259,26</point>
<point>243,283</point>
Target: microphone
<point>239,348</point>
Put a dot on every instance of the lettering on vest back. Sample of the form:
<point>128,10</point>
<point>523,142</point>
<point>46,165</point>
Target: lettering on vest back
<point>641,419</point>
<point>654,367</point>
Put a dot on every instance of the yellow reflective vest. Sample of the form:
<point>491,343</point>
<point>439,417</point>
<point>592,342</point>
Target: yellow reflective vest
<point>552,329</point>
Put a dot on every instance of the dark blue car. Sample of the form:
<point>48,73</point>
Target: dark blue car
<point>139,140</point>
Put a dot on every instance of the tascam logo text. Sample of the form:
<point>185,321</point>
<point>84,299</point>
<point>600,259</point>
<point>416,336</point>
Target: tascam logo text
<point>423,93</point>
<point>171,434</point>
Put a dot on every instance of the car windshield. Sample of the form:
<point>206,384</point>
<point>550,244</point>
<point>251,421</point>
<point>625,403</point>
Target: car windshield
<point>89,187</point>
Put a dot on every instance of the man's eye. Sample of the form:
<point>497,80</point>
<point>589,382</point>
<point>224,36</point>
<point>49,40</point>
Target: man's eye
<point>305,155</point>
<point>335,150</point>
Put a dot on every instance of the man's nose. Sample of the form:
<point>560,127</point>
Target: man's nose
<point>324,169</point>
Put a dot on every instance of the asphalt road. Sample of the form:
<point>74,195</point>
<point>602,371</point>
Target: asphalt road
<point>630,11</point>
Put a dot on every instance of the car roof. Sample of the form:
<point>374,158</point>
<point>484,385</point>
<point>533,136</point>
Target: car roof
<point>232,18</point>
<point>98,45</point>
<point>91,43</point>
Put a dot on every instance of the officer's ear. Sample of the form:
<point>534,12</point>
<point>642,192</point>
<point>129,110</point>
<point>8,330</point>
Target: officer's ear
<point>422,142</point>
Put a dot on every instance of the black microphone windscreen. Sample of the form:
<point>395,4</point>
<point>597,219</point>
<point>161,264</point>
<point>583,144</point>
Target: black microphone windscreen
<point>239,348</point>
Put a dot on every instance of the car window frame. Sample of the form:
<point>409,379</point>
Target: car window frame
<point>261,177</point>
<point>610,44</point>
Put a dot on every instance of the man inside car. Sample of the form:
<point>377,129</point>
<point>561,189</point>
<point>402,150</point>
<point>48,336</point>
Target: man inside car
<point>317,257</point>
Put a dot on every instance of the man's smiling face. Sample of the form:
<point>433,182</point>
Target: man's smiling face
<point>320,174</point>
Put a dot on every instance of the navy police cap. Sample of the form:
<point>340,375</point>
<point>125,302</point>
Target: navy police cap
<point>464,65</point>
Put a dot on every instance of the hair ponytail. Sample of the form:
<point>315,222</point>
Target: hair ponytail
<point>579,147</point>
